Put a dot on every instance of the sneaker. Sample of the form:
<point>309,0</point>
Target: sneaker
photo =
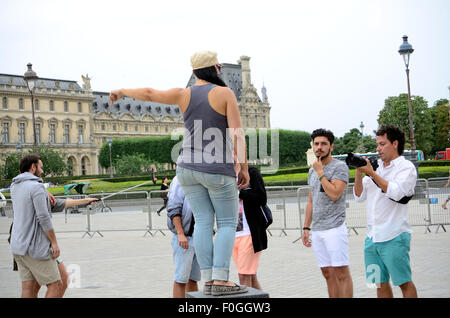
<point>218,290</point>
<point>207,289</point>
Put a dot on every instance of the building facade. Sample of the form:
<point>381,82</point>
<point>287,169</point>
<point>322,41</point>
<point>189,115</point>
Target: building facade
<point>78,121</point>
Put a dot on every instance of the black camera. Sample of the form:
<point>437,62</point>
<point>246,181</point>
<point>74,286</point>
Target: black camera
<point>358,161</point>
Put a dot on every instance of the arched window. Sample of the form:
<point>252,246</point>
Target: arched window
<point>83,166</point>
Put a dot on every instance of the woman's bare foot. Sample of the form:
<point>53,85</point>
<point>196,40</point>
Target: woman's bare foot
<point>223,283</point>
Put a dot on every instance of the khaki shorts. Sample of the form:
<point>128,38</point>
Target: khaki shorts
<point>44,271</point>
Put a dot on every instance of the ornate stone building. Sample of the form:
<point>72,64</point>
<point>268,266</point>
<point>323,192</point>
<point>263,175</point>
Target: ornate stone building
<point>254,110</point>
<point>78,121</point>
<point>63,119</point>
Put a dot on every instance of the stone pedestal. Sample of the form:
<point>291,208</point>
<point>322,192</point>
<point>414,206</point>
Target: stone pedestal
<point>252,293</point>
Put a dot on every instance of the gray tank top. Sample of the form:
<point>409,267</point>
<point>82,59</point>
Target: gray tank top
<point>207,146</point>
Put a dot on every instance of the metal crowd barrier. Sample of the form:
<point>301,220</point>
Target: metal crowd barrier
<point>439,193</point>
<point>136,211</point>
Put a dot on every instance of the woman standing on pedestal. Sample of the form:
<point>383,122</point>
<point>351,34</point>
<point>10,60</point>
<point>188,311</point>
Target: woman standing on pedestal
<point>205,168</point>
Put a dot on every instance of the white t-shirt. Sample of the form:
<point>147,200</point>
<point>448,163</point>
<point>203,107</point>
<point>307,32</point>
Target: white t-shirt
<point>242,226</point>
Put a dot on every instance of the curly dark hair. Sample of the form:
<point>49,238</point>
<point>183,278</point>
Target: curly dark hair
<point>323,133</point>
<point>27,161</point>
<point>393,133</point>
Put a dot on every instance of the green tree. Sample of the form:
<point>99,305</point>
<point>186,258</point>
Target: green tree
<point>441,125</point>
<point>396,112</point>
<point>351,142</point>
<point>132,164</point>
<point>10,168</point>
<point>53,161</point>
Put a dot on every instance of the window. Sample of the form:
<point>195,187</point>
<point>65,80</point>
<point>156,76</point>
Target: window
<point>125,127</point>
<point>52,105</point>
<point>80,134</point>
<point>22,133</point>
<point>5,103</point>
<point>5,132</point>
<point>20,103</point>
<point>52,133</point>
<point>66,107</point>
<point>36,104</point>
<point>38,133</point>
<point>83,166</point>
<point>70,166</point>
<point>156,128</point>
<point>146,128</point>
<point>114,127</point>
<point>103,126</point>
<point>66,134</point>
<point>167,129</point>
<point>136,128</point>
<point>80,108</point>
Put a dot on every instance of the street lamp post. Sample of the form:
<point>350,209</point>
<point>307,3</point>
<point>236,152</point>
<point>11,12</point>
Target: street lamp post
<point>30,78</point>
<point>110,158</point>
<point>405,51</point>
<point>362,138</point>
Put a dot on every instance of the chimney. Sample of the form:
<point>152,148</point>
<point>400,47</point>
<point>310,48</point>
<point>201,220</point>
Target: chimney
<point>246,78</point>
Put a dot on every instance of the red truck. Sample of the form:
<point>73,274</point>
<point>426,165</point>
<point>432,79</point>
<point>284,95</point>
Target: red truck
<point>443,154</point>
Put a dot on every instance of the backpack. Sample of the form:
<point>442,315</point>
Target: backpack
<point>267,213</point>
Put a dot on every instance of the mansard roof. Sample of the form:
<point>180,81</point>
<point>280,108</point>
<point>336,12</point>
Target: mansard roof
<point>133,106</point>
<point>17,80</point>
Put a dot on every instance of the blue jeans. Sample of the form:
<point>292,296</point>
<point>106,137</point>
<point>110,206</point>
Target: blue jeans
<point>212,195</point>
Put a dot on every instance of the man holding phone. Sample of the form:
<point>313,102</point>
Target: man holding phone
<point>328,179</point>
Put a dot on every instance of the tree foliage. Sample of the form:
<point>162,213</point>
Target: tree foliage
<point>53,161</point>
<point>396,112</point>
<point>352,142</point>
<point>133,164</point>
<point>441,125</point>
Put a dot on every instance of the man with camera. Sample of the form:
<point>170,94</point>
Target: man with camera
<point>325,209</point>
<point>387,191</point>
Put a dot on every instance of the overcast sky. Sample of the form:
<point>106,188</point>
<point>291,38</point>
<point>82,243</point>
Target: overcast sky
<point>327,64</point>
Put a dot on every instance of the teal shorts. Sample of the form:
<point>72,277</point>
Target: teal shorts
<point>388,259</point>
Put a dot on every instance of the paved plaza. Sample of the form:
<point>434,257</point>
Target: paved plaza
<point>129,264</point>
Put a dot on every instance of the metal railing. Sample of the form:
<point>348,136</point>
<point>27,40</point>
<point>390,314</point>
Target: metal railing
<point>136,211</point>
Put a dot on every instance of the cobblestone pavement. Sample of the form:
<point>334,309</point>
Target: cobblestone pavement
<point>127,264</point>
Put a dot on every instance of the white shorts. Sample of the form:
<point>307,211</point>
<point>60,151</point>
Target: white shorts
<point>331,246</point>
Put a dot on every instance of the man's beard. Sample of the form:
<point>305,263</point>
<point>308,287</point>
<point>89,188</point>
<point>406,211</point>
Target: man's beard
<point>323,157</point>
<point>37,175</point>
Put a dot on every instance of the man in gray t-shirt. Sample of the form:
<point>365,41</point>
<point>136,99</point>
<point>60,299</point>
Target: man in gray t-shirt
<point>328,179</point>
<point>327,213</point>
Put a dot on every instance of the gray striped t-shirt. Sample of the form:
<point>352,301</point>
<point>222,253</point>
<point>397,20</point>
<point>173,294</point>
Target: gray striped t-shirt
<point>328,214</point>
